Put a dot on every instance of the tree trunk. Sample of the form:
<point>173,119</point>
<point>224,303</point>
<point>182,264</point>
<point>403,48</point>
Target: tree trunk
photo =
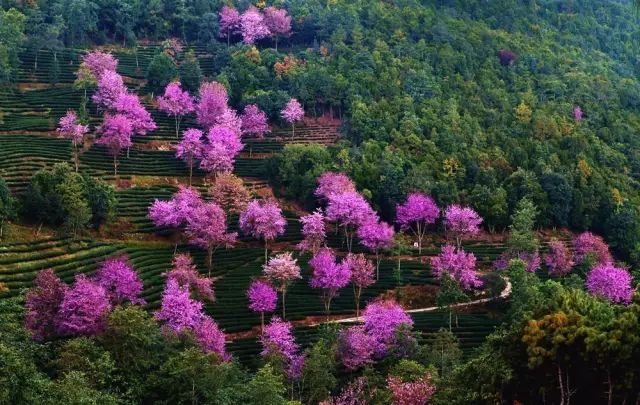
<point>210,259</point>
<point>377,265</point>
<point>115,166</point>
<point>75,156</point>
<point>293,131</point>
<point>276,43</point>
<point>561,385</point>
<point>190,170</point>
<point>266,251</point>
<point>357,292</point>
<point>609,381</point>
<point>1,227</point>
<point>261,322</point>
<point>284,311</point>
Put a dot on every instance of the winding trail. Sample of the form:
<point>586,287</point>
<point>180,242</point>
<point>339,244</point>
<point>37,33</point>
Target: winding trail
<point>506,292</point>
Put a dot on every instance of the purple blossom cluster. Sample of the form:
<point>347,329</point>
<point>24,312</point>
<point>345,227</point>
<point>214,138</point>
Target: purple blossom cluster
<point>462,222</point>
<point>416,214</point>
<point>610,282</point>
<point>263,220</point>
<point>459,265</point>
<point>314,232</point>
<point>329,275</point>
<point>382,321</point>
<point>184,272</point>
<point>559,259</point>
<point>254,25</point>
<point>277,340</point>
<point>588,246</point>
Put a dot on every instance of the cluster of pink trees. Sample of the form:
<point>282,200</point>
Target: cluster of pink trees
<point>457,264</point>
<point>253,24</point>
<point>71,128</point>
<point>124,114</point>
<point>386,326</point>
<point>55,309</point>
<point>279,344</point>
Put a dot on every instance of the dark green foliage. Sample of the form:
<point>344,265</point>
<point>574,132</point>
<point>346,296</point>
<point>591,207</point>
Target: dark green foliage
<point>161,71</point>
<point>190,73</point>
<point>102,200</point>
<point>7,205</point>
<point>319,371</point>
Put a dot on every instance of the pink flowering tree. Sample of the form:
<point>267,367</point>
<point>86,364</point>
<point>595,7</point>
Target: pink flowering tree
<point>115,133</point>
<point>254,121</point>
<point>210,337</point>
<point>577,113</point>
<point>459,265</point>
<point>190,148</point>
<point>253,26</point>
<point>120,281</point>
<point>559,259</point>
<point>229,23</point>
<point>174,213</point>
<point>314,232</point>
<point>278,22</point>
<point>176,103</point>
<point>263,220</point>
<point>207,228</point>
<point>416,214</point>
<point>415,392</point>
<point>333,183</point>
<point>212,103</point>
<point>328,275</point>
<point>355,347</point>
<point>130,106</point>
<point>98,62</point>
<point>292,113</point>
<point>262,298</point>
<point>376,236</point>
<point>110,87</point>
<point>42,304</point>
<point>611,283</point>
<point>282,269</point>
<point>362,275</point>
<point>185,273</point>
<point>591,248</point>
<point>382,321</point>
<point>349,210</point>
<point>352,394</point>
<point>178,310</point>
<point>70,128</point>
<point>278,344</point>
<point>462,222</point>
<point>219,153</point>
<point>84,308</point>
<point>230,119</point>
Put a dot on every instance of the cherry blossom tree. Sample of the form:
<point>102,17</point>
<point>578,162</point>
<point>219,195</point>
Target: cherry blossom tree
<point>333,183</point>
<point>83,309</point>
<point>382,321</point>
<point>129,105</point>
<point>115,132</point>
<point>459,265</point>
<point>349,210</point>
<point>211,104</point>
<point>254,121</point>
<point>416,214</point>
<point>42,304</point>
<point>559,260</point>
<point>221,150</point>
<point>352,394</point>
<point>329,275</point>
<point>70,128</point>
<point>292,113</point>
<point>577,113</point>
<point>355,347</point>
<point>282,269</point>
<point>176,102</point>
<point>278,22</point>
<point>277,341</point>
<point>462,222</point>
<point>611,283</point>
<point>229,23</point>
<point>229,192</point>
<point>362,275</point>
<point>174,213</point>
<point>110,87</point>
<point>207,228</point>
<point>314,232</point>
<point>253,26</point>
<point>588,246</point>
<point>184,272</point>
<point>190,148</point>
<point>262,298</point>
<point>376,236</point>
<point>210,338</point>
<point>98,62</point>
<point>120,281</point>
<point>178,310</point>
<point>415,392</point>
<point>263,220</point>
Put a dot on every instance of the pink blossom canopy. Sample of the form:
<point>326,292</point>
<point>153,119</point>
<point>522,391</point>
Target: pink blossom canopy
<point>278,21</point>
<point>262,297</point>
<point>327,273</point>
<point>99,62</point>
<point>293,111</point>
<point>381,321</point>
<point>191,145</point>
<point>70,127</point>
<point>349,209</point>
<point>129,105</point>
<point>115,132</point>
<point>184,272</point>
<point>84,308</point>
<point>207,226</point>
<point>176,101</point>
<point>577,113</point>
<point>462,220</point>
<point>253,26</point>
<point>611,283</point>
<point>177,309</point>
<point>362,270</point>
<point>355,347</point>
<point>212,103</point>
<point>229,21</point>
<point>376,235</point>
<point>277,340</point>
<point>559,260</point>
<point>42,304</point>
<point>459,265</point>
<point>417,208</point>
<point>262,220</point>
<point>313,230</point>
<point>589,245</point>
<point>282,268</point>
<point>210,338</point>
<point>254,121</point>
<point>120,281</point>
<point>110,87</point>
<point>333,183</point>
<point>415,392</point>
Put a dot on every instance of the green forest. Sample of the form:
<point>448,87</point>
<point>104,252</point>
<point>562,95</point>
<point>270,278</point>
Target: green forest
<point>319,202</point>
